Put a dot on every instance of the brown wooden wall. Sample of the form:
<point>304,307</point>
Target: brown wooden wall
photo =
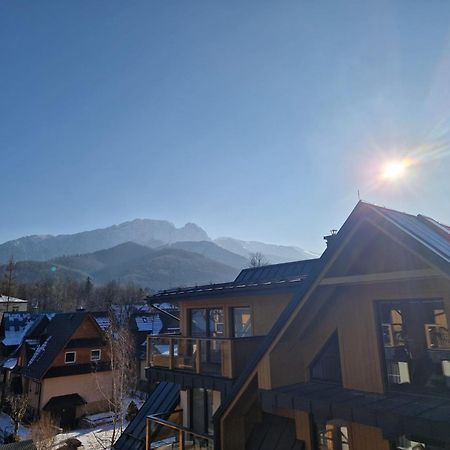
<point>87,330</point>
<point>265,310</point>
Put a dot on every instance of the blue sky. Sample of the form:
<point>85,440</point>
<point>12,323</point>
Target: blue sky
<point>256,119</point>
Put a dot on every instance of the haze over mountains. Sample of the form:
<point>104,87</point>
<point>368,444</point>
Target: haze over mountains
<point>150,253</point>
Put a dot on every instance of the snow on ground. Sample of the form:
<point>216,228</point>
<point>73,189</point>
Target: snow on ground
<point>97,438</point>
<point>7,427</point>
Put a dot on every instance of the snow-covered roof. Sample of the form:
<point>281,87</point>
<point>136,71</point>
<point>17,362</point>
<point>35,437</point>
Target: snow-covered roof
<point>16,325</point>
<point>151,324</point>
<point>10,363</point>
<point>6,299</point>
<point>103,321</point>
<point>39,351</point>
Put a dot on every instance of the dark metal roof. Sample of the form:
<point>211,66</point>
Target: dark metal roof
<point>63,401</point>
<point>290,271</point>
<point>396,413</point>
<point>274,276</point>
<point>164,398</point>
<point>430,232</point>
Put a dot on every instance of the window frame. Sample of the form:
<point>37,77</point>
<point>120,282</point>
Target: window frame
<point>219,327</point>
<point>74,357</point>
<point>231,315</point>
<point>377,314</point>
<point>99,354</point>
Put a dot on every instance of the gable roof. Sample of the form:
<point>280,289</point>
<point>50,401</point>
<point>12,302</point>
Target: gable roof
<point>253,279</point>
<point>429,237</point>
<point>57,334</point>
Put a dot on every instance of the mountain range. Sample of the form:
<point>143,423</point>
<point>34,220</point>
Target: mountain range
<point>150,253</point>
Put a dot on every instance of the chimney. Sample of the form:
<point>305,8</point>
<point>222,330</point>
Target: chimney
<point>331,237</point>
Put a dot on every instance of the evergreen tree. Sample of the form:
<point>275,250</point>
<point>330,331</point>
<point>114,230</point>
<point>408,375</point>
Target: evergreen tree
<point>8,286</point>
<point>87,291</point>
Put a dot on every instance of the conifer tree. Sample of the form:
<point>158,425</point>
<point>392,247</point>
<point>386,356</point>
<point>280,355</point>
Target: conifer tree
<point>8,286</point>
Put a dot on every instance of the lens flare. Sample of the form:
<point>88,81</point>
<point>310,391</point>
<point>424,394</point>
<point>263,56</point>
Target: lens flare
<point>394,170</point>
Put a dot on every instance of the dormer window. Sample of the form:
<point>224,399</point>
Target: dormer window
<point>96,355</point>
<point>70,357</point>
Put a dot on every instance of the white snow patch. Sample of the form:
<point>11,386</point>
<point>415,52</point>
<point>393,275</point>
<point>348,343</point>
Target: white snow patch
<point>39,351</point>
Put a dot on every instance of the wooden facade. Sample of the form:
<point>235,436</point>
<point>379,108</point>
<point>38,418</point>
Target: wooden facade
<point>373,264</point>
<point>181,358</point>
<point>68,370</point>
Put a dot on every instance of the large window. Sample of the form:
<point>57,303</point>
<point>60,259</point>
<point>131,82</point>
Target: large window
<point>206,322</point>
<point>242,322</point>
<point>416,345</point>
<point>201,411</point>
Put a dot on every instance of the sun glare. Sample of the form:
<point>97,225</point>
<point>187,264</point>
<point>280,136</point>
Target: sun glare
<point>394,170</point>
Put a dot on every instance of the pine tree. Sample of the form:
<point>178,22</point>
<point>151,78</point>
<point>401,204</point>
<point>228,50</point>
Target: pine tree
<point>8,286</point>
<point>87,291</point>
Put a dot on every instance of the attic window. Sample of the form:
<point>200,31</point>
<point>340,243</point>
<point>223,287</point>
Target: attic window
<point>96,355</point>
<point>70,357</point>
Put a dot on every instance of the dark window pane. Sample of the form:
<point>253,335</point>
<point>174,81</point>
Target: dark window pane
<point>327,365</point>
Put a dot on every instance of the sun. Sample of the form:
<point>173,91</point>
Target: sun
<point>394,170</point>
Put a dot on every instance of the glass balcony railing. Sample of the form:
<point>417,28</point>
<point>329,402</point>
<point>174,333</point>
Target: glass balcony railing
<point>212,356</point>
<point>171,435</point>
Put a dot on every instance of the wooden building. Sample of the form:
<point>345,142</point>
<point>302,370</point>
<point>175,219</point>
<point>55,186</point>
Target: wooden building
<point>66,370</point>
<point>360,357</point>
<point>221,328</point>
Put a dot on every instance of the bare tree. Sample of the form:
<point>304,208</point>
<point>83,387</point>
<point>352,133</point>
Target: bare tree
<point>258,260</point>
<point>44,432</point>
<point>121,358</point>
<point>18,405</point>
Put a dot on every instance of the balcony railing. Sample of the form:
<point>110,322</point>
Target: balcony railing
<point>214,356</point>
<point>437,337</point>
<point>173,435</point>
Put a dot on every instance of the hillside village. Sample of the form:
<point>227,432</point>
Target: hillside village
<point>346,351</point>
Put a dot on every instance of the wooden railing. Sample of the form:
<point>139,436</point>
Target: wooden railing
<point>174,435</point>
<point>216,356</point>
<point>437,336</point>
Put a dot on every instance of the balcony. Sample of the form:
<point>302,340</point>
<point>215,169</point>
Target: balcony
<point>172,435</point>
<point>209,356</point>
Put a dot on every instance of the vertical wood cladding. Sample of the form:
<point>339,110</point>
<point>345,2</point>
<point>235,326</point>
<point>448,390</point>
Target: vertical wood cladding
<point>363,437</point>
